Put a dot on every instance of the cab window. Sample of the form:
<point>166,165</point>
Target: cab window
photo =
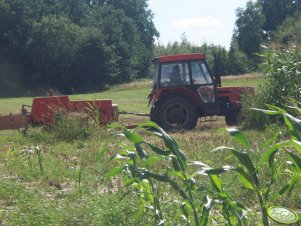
<point>174,74</point>
<point>200,73</point>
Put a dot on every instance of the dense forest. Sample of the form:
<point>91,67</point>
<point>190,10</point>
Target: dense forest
<point>83,45</point>
<point>77,45</point>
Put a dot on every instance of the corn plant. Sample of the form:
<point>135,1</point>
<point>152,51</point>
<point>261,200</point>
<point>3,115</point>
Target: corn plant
<point>139,159</point>
<point>79,180</point>
<point>28,152</point>
<point>38,151</point>
<point>138,166</point>
<point>247,169</point>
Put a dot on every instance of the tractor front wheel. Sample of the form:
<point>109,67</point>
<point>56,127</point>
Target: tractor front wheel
<point>175,113</point>
<point>233,117</point>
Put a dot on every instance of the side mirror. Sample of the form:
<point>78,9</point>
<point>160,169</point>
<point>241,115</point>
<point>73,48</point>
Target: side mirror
<point>218,80</point>
<point>217,76</point>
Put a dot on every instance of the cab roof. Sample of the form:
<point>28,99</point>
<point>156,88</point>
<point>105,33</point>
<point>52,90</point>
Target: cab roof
<point>181,57</point>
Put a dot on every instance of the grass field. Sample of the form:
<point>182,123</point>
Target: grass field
<point>62,182</point>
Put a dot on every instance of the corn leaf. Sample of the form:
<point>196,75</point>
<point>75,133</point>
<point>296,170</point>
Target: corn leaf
<point>118,156</point>
<point>240,137</point>
<point>280,192</point>
<point>141,153</point>
<point>151,160</point>
<point>217,171</point>
<point>268,156</point>
<point>175,163</point>
<point>246,161</point>
<point>217,183</point>
<point>169,142</point>
<point>139,214</point>
<point>101,152</point>
<point>294,125</point>
<point>296,144</point>
<point>158,150</point>
<point>177,188</point>
<point>275,108</point>
<point>149,124</point>
<point>267,112</point>
<point>115,171</point>
<point>293,183</point>
<point>179,174</point>
<point>244,178</point>
<point>296,160</point>
<point>197,163</point>
<point>275,137</point>
<point>133,137</point>
<point>208,205</point>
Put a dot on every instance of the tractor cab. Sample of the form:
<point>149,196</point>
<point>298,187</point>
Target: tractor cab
<point>190,72</point>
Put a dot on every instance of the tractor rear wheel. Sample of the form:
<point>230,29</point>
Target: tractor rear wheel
<point>175,113</point>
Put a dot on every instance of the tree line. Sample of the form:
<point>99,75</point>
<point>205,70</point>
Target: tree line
<point>220,60</point>
<point>81,45</point>
<point>77,45</point>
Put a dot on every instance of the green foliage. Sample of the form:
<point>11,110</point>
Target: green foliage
<point>138,163</point>
<point>289,32</point>
<point>248,31</point>
<point>52,41</point>
<point>226,62</point>
<point>276,12</point>
<point>28,197</point>
<point>266,22</point>
<point>282,69</point>
<point>71,127</point>
<point>238,62</point>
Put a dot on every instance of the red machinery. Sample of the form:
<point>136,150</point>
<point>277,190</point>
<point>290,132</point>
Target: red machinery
<point>44,111</point>
<point>195,93</point>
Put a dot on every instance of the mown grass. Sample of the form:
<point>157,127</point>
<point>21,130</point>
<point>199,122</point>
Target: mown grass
<point>72,188</point>
<point>129,97</point>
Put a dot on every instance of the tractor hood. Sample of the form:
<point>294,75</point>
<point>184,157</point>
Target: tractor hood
<point>234,93</point>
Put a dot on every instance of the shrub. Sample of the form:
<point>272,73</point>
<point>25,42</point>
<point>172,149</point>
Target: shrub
<point>282,69</point>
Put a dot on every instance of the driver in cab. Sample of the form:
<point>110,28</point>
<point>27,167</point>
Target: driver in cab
<point>176,75</point>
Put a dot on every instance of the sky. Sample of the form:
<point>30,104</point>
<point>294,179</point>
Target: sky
<point>202,21</point>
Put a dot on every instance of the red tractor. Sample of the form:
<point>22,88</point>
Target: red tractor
<point>184,90</point>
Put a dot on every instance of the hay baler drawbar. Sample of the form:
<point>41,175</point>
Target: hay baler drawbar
<point>44,111</point>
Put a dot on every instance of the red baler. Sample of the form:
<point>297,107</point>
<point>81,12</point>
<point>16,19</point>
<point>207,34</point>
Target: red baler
<point>44,111</point>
